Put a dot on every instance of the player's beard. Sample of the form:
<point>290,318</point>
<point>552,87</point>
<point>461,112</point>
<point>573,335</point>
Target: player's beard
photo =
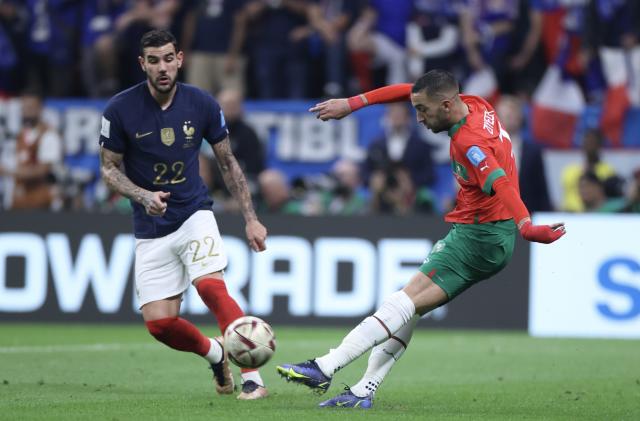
<point>436,127</point>
<point>163,89</point>
<point>440,129</point>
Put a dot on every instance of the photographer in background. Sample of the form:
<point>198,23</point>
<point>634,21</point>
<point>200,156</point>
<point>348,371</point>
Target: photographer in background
<point>392,191</point>
<point>345,195</point>
<point>398,163</point>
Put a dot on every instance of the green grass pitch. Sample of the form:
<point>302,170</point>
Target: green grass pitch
<point>81,372</point>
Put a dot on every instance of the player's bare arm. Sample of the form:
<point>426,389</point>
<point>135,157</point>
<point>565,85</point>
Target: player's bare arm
<point>237,184</point>
<point>338,108</point>
<point>111,170</point>
<point>333,109</point>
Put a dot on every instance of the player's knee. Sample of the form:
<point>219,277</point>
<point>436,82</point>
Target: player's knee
<point>161,328</point>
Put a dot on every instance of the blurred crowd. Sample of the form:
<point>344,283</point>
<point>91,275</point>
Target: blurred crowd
<point>297,49</point>
<point>309,48</point>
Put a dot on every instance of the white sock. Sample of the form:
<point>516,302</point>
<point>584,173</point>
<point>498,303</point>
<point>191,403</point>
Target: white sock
<point>383,357</point>
<point>215,352</point>
<point>394,313</point>
<point>253,375</point>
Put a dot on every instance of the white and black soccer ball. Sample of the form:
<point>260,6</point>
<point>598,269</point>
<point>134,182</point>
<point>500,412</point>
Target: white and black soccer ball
<point>249,342</point>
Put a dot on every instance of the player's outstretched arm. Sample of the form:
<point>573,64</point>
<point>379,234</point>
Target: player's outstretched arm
<point>237,185</point>
<point>110,167</point>
<point>511,200</point>
<point>335,109</point>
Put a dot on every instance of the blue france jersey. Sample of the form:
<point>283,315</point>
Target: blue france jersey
<point>160,149</point>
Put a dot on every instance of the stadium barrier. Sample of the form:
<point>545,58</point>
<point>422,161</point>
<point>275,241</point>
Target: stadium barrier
<point>588,284</point>
<point>75,267</point>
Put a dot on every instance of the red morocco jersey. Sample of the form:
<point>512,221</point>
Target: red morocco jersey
<point>480,153</point>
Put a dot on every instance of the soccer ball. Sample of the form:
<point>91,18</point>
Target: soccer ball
<point>249,342</point>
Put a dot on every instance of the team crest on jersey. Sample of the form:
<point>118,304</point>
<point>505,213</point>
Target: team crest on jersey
<point>188,130</point>
<point>167,136</point>
<point>459,170</point>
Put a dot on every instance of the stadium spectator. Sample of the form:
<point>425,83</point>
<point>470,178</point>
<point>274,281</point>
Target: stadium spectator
<point>278,32</point>
<point>99,55</point>
<point>111,32</point>
<point>593,194</point>
<point>13,15</point>
<point>245,145</point>
<point>52,35</point>
<point>490,32</point>
<point>38,157</point>
<point>525,62</point>
<point>140,17</point>
<point>275,194</point>
<point>346,195</point>
<point>400,144</point>
<point>330,19</point>
<point>214,33</point>
<point>150,137</point>
<point>591,146</point>
<point>378,39</point>
<point>433,38</point>
<point>534,189</point>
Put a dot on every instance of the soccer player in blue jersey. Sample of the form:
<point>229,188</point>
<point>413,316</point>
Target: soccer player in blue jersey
<point>150,137</point>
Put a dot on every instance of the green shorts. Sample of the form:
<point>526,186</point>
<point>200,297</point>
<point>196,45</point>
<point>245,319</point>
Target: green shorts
<point>469,254</point>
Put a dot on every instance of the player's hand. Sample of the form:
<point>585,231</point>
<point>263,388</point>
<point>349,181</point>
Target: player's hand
<point>256,234</point>
<point>542,233</point>
<point>155,203</point>
<point>332,109</point>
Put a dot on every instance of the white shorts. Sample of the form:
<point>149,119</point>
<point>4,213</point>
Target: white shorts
<point>166,266</point>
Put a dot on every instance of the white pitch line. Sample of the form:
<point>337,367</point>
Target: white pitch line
<point>37,349</point>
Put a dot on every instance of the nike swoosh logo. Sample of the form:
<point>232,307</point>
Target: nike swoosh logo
<point>138,135</point>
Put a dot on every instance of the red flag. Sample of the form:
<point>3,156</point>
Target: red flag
<point>615,66</point>
<point>557,105</point>
<point>615,106</point>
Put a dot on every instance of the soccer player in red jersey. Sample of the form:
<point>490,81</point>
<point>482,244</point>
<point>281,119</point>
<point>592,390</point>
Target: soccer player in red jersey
<point>487,215</point>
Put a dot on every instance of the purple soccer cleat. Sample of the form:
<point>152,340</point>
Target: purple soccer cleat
<point>348,400</point>
<point>307,373</point>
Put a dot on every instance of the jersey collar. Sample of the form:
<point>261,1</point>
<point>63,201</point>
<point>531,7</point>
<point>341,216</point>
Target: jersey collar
<point>457,126</point>
<point>153,100</point>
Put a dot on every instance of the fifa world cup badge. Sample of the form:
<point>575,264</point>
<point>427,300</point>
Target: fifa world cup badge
<point>167,136</point>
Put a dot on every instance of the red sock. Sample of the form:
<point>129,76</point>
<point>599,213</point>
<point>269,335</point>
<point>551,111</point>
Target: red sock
<point>179,334</point>
<point>215,295</point>
<point>361,65</point>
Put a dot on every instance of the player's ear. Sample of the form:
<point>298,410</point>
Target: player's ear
<point>141,61</point>
<point>180,57</point>
<point>446,104</point>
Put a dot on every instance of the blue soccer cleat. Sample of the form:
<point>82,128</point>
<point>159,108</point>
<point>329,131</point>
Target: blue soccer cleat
<point>348,400</point>
<point>307,373</point>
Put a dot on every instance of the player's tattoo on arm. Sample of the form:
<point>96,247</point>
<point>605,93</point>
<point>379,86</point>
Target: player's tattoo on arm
<point>234,178</point>
<point>116,180</point>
